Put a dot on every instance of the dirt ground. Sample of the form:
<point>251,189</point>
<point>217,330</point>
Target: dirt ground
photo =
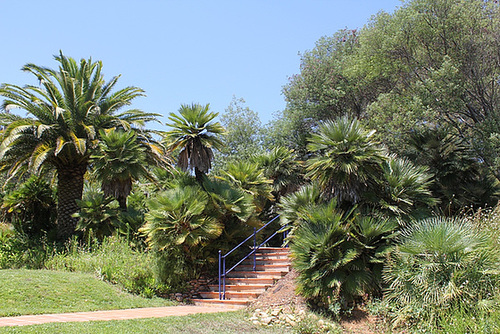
<point>283,295</point>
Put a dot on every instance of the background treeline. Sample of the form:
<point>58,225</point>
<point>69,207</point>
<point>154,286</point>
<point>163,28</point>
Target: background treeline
<point>384,168</point>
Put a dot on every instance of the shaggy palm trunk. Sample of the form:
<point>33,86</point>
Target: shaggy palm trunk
<point>69,189</point>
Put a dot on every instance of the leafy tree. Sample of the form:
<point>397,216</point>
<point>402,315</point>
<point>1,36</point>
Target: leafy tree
<point>243,136</point>
<point>194,133</point>
<point>68,109</point>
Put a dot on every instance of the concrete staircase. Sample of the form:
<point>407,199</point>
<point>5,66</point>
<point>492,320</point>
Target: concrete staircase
<point>243,284</point>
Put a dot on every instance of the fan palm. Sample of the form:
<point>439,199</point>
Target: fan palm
<point>250,178</point>
<point>61,131</point>
<point>406,187</point>
<point>441,265</point>
<point>338,257</point>
<point>346,159</point>
<point>176,218</point>
<point>195,134</point>
<point>281,165</point>
<point>119,160</point>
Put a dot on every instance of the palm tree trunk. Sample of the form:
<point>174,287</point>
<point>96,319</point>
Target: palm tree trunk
<point>69,189</point>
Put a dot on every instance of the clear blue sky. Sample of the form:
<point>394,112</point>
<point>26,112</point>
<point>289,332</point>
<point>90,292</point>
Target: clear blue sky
<point>179,51</point>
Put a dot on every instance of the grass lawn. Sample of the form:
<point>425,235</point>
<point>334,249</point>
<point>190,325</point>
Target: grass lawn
<point>43,291</point>
<point>215,323</point>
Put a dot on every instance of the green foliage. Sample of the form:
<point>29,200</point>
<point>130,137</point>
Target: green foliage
<point>439,267</point>
<point>194,133</point>
<point>112,260</point>
<point>30,208</point>
<point>177,229</point>
<point>119,161</point>
<point>346,159</point>
<point>65,113</point>
<point>250,178</point>
<point>460,179</point>
<point>281,165</point>
<point>17,250</point>
<point>339,257</point>
<point>98,215</point>
<point>243,135</point>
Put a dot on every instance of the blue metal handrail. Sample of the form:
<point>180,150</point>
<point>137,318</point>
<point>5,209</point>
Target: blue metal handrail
<point>222,258</point>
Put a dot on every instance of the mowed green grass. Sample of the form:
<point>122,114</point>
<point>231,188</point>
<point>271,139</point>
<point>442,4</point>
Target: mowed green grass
<point>214,323</point>
<point>44,291</point>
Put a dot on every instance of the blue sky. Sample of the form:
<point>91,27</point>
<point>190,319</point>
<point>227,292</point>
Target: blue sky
<point>179,51</point>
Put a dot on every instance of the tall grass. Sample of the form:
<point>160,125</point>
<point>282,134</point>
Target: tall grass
<point>112,260</point>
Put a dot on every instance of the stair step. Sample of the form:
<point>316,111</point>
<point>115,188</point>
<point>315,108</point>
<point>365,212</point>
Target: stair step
<point>284,260</point>
<point>249,281</point>
<point>257,274</point>
<point>263,267</point>
<point>238,287</point>
<point>230,295</point>
<point>235,303</point>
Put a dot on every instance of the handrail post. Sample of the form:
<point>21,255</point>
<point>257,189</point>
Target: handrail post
<point>224,278</point>
<point>220,293</point>
<point>254,248</point>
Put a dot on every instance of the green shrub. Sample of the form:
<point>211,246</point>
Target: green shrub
<point>440,267</point>
<point>339,258</point>
<point>17,250</point>
<point>114,261</point>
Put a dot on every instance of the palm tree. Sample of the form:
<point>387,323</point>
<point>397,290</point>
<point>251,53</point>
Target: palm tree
<point>281,165</point>
<point>346,159</point>
<point>65,113</point>
<point>194,133</point>
<point>119,160</point>
<point>176,218</point>
<point>250,178</point>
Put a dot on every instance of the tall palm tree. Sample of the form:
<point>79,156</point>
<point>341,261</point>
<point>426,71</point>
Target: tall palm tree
<point>65,113</point>
<point>120,159</point>
<point>195,134</point>
<point>347,158</point>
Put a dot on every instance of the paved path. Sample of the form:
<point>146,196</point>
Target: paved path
<point>150,312</point>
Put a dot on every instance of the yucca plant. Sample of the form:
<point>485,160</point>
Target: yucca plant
<point>440,266</point>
